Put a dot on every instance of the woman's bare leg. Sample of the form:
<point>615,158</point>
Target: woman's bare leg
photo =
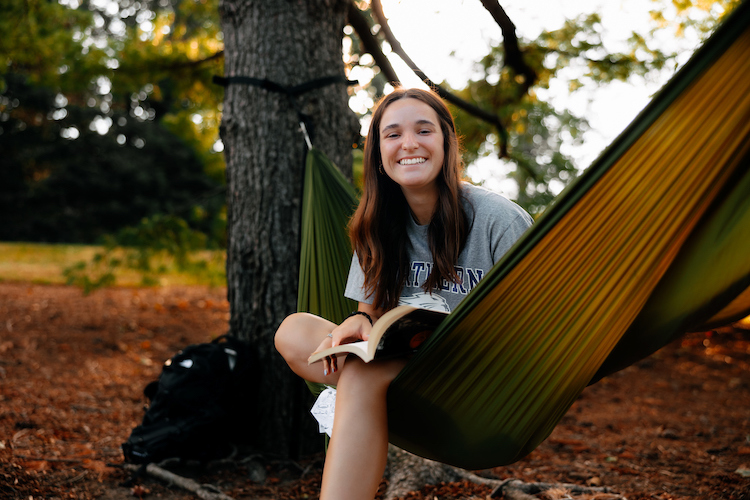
<point>356,460</point>
<point>358,448</point>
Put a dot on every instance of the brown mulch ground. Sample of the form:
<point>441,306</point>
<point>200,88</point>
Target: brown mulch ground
<point>72,370</point>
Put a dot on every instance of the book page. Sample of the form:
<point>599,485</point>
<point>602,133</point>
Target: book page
<point>359,348</point>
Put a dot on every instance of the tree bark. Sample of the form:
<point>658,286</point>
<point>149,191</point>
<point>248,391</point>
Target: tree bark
<point>288,42</point>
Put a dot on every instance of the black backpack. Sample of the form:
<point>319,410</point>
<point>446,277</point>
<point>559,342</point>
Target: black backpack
<point>200,405</point>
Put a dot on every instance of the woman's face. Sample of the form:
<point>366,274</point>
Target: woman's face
<point>411,144</point>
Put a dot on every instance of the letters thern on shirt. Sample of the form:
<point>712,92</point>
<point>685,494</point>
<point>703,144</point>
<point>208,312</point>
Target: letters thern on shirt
<point>496,225</point>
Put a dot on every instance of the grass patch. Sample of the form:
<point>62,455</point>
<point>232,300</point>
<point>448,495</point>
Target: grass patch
<point>45,264</point>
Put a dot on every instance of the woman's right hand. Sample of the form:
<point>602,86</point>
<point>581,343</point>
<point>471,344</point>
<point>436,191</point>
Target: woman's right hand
<point>353,329</point>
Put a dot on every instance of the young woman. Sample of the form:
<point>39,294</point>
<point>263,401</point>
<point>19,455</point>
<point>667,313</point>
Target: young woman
<point>421,236</point>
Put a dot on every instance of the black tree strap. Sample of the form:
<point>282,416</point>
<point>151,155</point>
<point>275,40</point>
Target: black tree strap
<point>291,92</point>
<point>294,91</point>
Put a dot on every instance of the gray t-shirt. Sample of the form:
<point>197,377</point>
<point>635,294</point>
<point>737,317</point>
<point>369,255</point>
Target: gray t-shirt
<point>497,224</point>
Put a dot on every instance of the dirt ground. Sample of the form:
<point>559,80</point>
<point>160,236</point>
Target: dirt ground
<point>73,367</point>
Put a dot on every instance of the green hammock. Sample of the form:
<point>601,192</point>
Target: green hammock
<point>328,201</point>
<point>652,241</point>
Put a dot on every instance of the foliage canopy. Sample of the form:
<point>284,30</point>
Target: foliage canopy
<point>108,114</point>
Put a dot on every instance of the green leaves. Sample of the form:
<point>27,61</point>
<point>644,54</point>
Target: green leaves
<point>46,41</point>
<point>94,87</point>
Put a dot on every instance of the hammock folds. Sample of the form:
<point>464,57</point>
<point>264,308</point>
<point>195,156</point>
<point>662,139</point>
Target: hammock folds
<point>650,242</point>
<point>328,201</point>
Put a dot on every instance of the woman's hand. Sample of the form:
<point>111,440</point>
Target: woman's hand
<point>327,342</point>
<point>353,329</point>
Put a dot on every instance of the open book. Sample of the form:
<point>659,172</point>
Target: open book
<point>396,333</point>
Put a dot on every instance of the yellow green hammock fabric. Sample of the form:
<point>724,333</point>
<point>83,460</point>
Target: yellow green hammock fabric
<point>651,242</point>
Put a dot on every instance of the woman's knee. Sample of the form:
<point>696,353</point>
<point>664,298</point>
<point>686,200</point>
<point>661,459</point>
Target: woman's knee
<point>299,334</point>
<point>287,335</point>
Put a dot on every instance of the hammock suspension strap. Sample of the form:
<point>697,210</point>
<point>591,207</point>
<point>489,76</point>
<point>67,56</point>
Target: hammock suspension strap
<point>292,92</point>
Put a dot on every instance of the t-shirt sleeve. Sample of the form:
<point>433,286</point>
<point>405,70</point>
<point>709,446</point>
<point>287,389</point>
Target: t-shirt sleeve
<point>355,284</point>
<point>505,239</point>
<point>500,222</point>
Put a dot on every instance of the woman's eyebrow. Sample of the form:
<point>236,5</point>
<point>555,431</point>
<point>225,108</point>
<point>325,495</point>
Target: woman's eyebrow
<point>423,121</point>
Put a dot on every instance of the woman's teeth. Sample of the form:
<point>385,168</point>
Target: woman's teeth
<point>412,161</point>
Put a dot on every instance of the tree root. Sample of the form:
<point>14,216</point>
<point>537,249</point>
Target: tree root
<point>514,489</point>
<point>406,473</point>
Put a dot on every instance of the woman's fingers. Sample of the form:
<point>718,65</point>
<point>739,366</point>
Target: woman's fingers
<point>353,329</point>
<point>330,365</point>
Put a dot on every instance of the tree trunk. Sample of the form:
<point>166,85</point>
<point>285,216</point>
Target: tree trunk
<point>288,42</point>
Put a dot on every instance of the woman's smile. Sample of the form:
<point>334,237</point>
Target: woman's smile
<point>412,161</point>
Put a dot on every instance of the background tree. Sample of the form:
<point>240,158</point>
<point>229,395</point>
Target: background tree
<point>64,181</point>
<point>108,115</point>
<point>289,43</point>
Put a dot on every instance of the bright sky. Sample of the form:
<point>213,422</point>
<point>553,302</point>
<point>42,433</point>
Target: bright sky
<point>431,30</point>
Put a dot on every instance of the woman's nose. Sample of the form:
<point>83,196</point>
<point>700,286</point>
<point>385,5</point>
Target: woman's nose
<point>409,142</point>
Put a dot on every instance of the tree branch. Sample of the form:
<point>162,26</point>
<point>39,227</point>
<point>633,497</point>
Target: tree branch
<point>197,62</point>
<point>513,54</point>
<point>491,118</point>
<point>203,491</point>
<point>370,43</point>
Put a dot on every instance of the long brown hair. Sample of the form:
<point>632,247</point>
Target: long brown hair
<point>378,227</point>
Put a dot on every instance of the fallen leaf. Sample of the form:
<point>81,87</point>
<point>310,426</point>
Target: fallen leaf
<point>139,491</point>
<point>35,464</point>
<point>95,465</point>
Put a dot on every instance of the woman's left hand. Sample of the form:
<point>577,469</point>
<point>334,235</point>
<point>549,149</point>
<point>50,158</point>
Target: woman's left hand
<point>327,363</point>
